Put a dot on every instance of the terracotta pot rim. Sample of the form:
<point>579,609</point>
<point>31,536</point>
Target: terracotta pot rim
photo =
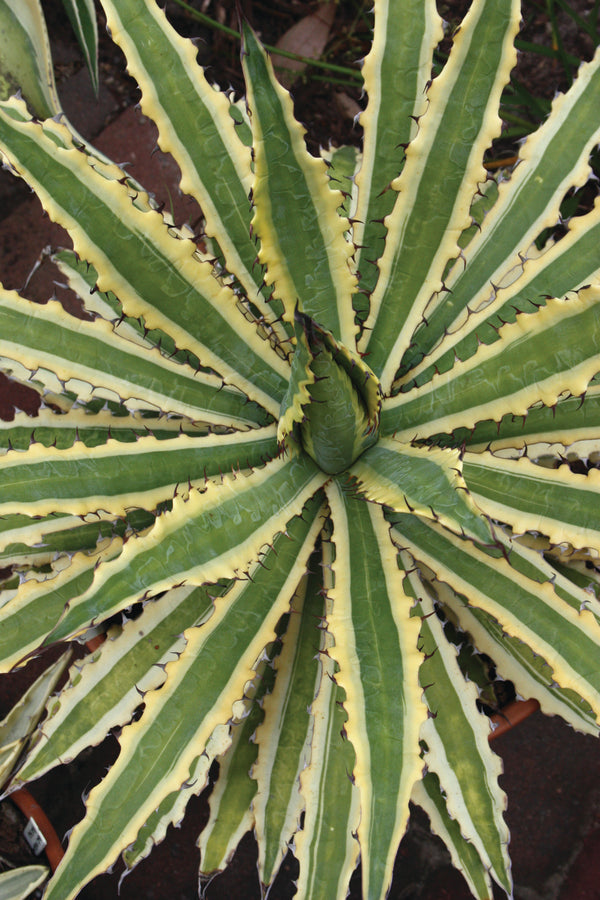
<point>30,808</point>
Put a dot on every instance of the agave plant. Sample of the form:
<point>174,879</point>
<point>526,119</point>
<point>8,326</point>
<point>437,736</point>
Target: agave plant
<point>290,469</point>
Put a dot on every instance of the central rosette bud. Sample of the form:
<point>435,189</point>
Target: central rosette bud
<point>333,400</point>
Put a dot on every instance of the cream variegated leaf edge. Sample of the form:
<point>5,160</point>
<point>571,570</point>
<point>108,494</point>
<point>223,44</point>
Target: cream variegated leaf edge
<point>184,420</point>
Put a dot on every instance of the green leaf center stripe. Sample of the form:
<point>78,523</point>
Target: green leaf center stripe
<point>284,737</point>
<point>82,14</point>
<point>140,260</point>
<point>42,479</point>
<point>555,502</point>
<point>105,691</point>
<point>526,609</point>
<point>376,649</point>
<point>517,662</point>
<point>539,357</point>
<point>447,153</point>
<point>34,611</point>
<point>158,750</point>
<point>568,265</point>
<point>458,747</point>
<point>108,362</point>
<point>428,795</point>
<point>395,73</point>
<point>426,481</point>
<point>26,60</point>
<point>296,219</point>
<point>552,161</point>
<point>572,420</point>
<point>216,171</point>
<point>59,430</point>
<point>326,847</point>
<point>227,525</point>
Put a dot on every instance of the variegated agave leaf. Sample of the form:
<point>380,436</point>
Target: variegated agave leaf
<point>345,428</point>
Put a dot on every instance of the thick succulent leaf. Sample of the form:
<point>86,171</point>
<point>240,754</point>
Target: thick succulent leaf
<point>82,15</point>
<point>571,420</point>
<point>284,737</point>
<point>559,503</point>
<point>566,265</point>
<point>16,729</point>
<point>337,425</point>
<point>226,524</point>
<point>539,357</point>
<point>551,162</point>
<point>16,884</point>
<point>423,480</point>
<point>139,260</point>
<point>447,152</point>
<point>231,812</point>
<point>160,750</point>
<point>376,649</point>
<point>342,163</point>
<point>171,809</point>
<point>38,541</point>
<point>54,429</point>
<point>83,479</point>
<point>110,364</point>
<point>532,612</point>
<point>29,616</point>
<point>25,60</point>
<point>457,740</point>
<point>297,395</point>
<point>82,279</point>
<point>105,689</point>
<point>428,795</point>
<point>326,847</point>
<point>176,95</point>
<point>395,75</point>
<point>516,661</point>
<point>301,234</point>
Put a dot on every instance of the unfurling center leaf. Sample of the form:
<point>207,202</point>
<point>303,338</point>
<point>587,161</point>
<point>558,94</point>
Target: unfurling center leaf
<point>332,407</point>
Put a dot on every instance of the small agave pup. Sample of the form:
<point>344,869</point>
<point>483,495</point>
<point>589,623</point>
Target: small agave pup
<point>283,482</point>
